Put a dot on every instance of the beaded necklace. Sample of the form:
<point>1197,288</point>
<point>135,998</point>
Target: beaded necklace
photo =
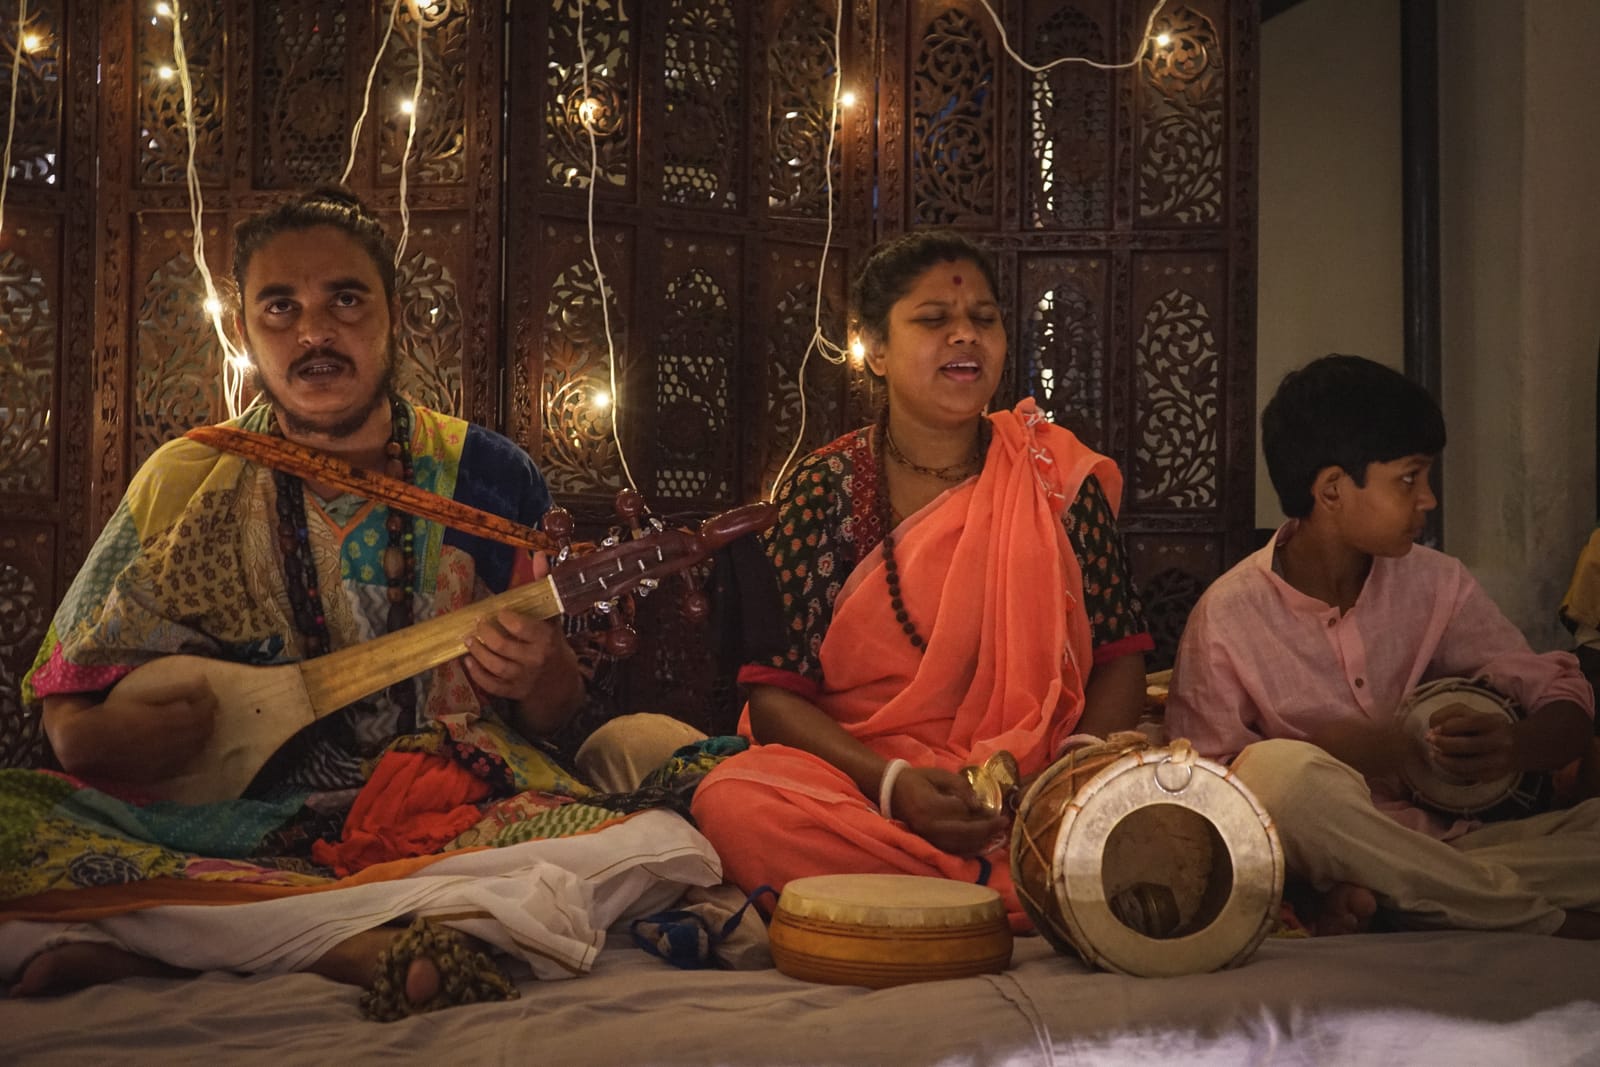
<point>891,570</point>
<point>955,472</point>
<point>294,540</point>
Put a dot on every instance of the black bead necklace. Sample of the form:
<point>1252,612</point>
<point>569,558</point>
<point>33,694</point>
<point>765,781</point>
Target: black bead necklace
<point>294,540</point>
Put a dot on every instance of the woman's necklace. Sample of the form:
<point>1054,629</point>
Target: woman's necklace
<point>955,472</point>
<point>891,570</point>
<point>294,540</point>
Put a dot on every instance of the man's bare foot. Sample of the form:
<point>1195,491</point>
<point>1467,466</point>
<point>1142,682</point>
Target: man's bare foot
<point>1581,926</point>
<point>80,964</point>
<point>355,960</point>
<point>1344,909</point>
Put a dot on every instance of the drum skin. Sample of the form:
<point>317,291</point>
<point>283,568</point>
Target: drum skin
<point>1433,787</point>
<point>1146,860</point>
<point>881,930</point>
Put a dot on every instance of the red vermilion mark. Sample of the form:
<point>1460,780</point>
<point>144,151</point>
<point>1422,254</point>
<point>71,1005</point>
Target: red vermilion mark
<point>956,279</point>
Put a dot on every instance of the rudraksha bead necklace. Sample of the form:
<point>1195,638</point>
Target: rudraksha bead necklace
<point>891,570</point>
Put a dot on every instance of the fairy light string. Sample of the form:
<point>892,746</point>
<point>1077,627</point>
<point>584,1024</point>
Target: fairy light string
<point>235,362</point>
<point>11,120</point>
<point>819,343</point>
<point>366,93</point>
<point>588,112</point>
<point>410,107</point>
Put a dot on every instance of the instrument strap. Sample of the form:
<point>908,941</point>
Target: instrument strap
<point>303,462</point>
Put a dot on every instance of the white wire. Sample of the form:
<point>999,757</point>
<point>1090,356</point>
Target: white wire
<point>819,343</point>
<point>1144,43</point>
<point>366,95</point>
<point>234,360</point>
<point>587,119</point>
<point>830,351</point>
<point>11,121</point>
<point>405,159</point>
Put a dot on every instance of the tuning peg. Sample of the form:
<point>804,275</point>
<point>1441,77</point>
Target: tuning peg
<point>631,509</point>
<point>696,606</point>
<point>621,640</point>
<point>558,523</point>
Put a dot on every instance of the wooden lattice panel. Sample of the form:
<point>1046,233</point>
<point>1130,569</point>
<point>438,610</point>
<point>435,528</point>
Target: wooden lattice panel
<point>1120,206</point>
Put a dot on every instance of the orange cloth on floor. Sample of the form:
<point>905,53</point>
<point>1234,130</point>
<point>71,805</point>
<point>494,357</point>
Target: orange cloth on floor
<point>413,803</point>
<point>987,572</point>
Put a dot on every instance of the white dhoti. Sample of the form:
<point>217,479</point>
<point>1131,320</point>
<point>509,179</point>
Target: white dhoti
<point>547,902</point>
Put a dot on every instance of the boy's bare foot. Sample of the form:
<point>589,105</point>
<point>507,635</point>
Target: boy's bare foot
<point>80,964</point>
<point>1344,909</point>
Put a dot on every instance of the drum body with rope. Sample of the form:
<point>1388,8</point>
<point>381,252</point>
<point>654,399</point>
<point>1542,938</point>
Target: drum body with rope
<point>880,930</point>
<point>1512,796</point>
<point>1146,860</point>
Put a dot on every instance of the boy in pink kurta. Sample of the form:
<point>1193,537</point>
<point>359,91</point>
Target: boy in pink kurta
<point>1295,662</point>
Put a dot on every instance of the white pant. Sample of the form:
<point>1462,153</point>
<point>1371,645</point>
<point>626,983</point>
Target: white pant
<point>1522,874</point>
<point>548,902</point>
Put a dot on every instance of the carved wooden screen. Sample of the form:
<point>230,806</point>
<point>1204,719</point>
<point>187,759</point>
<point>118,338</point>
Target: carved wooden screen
<point>129,359</point>
<point>1120,205</point>
<point>46,318</point>
<point>1121,208</point>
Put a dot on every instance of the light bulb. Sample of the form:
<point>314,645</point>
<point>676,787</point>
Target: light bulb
<point>602,399</point>
<point>31,42</point>
<point>858,351</point>
<point>164,10</point>
<point>588,111</point>
<point>407,107</point>
<point>213,306</point>
<point>166,73</point>
<point>1163,39</point>
<point>847,99</point>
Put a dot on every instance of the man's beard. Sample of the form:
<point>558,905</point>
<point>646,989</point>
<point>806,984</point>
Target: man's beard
<point>335,429</point>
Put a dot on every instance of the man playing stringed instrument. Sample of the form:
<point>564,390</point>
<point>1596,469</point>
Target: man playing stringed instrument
<point>214,555</point>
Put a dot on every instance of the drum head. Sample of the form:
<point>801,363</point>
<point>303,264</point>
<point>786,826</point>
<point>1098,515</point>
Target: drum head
<point>1437,788</point>
<point>1164,867</point>
<point>880,930</point>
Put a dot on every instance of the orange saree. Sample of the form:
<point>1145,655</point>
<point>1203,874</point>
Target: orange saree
<point>988,573</point>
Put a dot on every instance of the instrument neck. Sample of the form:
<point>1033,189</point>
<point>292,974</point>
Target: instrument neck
<point>340,678</point>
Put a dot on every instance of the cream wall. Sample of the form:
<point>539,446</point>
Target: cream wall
<point>1520,259</point>
<point>1519,248</point>
<point>1330,236</point>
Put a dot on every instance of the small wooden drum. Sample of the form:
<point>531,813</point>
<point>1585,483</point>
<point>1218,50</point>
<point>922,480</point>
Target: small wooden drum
<point>1145,860</point>
<point>880,930</point>
<point>1513,796</point>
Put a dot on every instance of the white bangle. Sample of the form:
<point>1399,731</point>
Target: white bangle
<point>891,774</point>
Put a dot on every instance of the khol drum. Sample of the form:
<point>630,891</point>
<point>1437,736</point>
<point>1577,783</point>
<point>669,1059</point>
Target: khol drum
<point>881,930</point>
<point>1511,796</point>
<point>1146,860</point>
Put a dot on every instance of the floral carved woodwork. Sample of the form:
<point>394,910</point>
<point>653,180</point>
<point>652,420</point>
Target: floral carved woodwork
<point>1119,206</point>
<point>27,376</point>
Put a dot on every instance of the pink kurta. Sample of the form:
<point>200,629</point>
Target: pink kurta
<point>1259,659</point>
<point>987,571</point>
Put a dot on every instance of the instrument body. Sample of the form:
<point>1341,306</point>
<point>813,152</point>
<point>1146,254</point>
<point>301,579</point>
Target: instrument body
<point>1146,860</point>
<point>1510,796</point>
<point>260,708</point>
<point>881,930</point>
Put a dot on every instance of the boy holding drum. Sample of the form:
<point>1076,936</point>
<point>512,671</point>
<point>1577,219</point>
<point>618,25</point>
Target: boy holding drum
<point>1296,663</point>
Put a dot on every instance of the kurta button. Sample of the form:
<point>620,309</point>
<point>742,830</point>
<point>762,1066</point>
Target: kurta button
<point>1360,682</point>
<point>1332,620</point>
